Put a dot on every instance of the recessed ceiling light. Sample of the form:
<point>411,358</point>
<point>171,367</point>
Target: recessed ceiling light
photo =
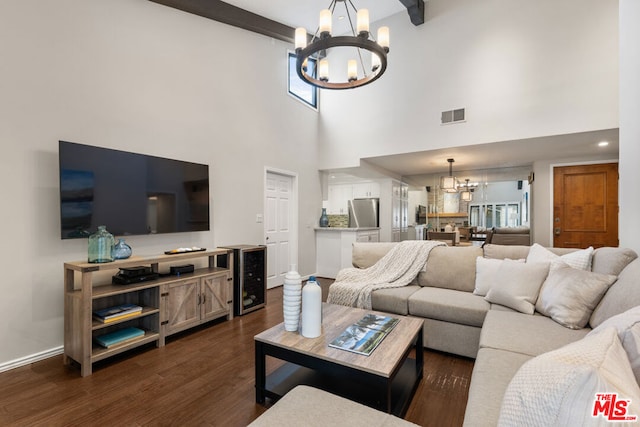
<point>340,18</point>
<point>603,143</point>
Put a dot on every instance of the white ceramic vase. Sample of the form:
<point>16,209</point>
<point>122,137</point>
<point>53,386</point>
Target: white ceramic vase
<point>292,299</point>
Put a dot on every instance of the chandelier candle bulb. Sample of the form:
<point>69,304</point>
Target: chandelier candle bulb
<point>352,70</point>
<point>323,70</point>
<point>325,22</point>
<point>383,37</point>
<point>363,22</point>
<point>375,62</point>
<point>301,38</point>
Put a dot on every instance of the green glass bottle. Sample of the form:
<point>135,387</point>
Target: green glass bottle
<point>100,245</point>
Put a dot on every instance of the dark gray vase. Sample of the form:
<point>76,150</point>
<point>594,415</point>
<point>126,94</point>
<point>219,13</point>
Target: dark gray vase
<point>324,219</point>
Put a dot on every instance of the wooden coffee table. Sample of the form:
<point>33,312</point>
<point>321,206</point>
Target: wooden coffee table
<point>385,380</point>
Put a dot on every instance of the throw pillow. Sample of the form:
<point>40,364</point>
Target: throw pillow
<point>579,259</point>
<point>628,326</point>
<point>517,285</point>
<point>569,295</point>
<point>559,388</point>
<point>608,260</point>
<point>486,272</point>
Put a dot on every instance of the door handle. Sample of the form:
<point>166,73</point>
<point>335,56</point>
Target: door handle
<point>557,231</point>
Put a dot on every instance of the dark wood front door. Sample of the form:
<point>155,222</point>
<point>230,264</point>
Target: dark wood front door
<point>585,206</point>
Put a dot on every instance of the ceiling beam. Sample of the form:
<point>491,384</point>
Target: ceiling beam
<point>232,15</point>
<point>415,8</point>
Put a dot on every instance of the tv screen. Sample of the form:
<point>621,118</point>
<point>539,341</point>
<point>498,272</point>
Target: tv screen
<point>129,193</point>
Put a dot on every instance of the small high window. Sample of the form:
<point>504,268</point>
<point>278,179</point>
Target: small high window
<point>300,89</point>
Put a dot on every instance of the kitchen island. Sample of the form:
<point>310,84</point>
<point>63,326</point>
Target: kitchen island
<point>333,247</point>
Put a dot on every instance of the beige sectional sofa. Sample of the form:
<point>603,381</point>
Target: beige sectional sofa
<point>501,339</point>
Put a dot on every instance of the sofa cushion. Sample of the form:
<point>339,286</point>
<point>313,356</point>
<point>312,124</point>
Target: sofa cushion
<point>451,267</point>
<point>621,296</point>
<point>521,333</point>
<point>365,254</point>
<point>612,260</point>
<point>517,251</point>
<point>580,259</point>
<point>393,300</point>
<point>448,305</point>
<point>559,388</point>
<point>308,406</point>
<point>451,337</point>
<point>502,308</point>
<point>627,325</point>
<point>505,251</point>
<point>517,284</point>
<point>492,372</point>
<point>569,295</point>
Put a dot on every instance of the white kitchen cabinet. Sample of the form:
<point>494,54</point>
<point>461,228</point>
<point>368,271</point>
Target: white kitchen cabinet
<point>366,189</point>
<point>399,211</point>
<point>334,248</point>
<point>368,236</point>
<point>339,196</point>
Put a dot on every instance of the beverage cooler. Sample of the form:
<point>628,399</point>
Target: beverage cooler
<point>249,277</point>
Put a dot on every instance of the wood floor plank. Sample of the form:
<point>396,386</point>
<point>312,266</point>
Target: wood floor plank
<point>203,377</point>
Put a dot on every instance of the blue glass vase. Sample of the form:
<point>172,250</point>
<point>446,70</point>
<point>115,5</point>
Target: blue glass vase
<point>324,219</point>
<point>121,250</point>
<point>100,245</point>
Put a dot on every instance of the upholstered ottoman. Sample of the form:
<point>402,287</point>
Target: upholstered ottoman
<point>308,406</point>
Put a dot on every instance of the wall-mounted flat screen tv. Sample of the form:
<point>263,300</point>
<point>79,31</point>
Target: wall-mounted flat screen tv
<point>129,193</point>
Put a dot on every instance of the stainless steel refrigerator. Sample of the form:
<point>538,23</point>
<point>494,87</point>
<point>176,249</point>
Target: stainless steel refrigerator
<point>364,213</point>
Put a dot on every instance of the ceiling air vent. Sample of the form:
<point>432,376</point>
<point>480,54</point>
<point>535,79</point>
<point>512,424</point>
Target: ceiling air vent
<point>452,116</point>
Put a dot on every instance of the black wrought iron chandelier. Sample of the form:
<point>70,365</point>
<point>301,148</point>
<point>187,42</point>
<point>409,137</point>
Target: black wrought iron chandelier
<point>361,40</point>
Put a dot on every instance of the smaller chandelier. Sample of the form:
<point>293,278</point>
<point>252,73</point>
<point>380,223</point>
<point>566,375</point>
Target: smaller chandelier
<point>449,184</point>
<point>466,195</point>
<point>360,40</point>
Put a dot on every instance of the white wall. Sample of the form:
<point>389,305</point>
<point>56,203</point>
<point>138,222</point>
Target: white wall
<point>522,69</point>
<point>136,76</point>
<point>629,123</point>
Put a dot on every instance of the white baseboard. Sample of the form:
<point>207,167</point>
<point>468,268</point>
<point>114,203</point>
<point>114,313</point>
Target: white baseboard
<point>16,363</point>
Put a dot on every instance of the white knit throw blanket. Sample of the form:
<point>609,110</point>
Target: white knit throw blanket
<point>353,286</point>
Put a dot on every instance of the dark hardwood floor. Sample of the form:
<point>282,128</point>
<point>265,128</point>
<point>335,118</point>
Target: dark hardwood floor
<point>204,377</point>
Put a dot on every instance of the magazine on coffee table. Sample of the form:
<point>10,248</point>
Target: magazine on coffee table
<point>364,336</point>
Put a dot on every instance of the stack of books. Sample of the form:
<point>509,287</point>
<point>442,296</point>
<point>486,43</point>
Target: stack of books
<point>118,312</point>
<point>120,336</point>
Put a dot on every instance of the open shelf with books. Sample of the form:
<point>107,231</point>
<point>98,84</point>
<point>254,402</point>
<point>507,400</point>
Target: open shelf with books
<point>104,319</point>
<point>146,311</point>
<point>99,352</point>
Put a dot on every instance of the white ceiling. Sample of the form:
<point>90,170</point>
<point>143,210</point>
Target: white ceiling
<point>297,13</point>
<point>414,167</point>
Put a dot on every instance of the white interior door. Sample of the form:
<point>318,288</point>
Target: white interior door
<point>279,226</point>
